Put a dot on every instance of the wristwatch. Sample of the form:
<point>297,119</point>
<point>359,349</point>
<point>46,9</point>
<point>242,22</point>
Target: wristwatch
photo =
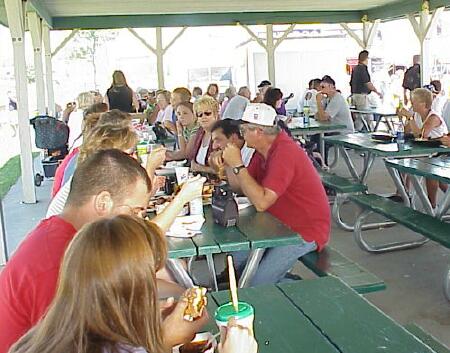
<point>237,169</point>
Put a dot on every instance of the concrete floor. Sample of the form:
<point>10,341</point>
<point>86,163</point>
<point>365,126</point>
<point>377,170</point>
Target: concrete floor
<point>414,277</point>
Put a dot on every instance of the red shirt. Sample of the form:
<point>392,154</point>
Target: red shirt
<point>59,174</point>
<point>302,203</point>
<point>28,281</point>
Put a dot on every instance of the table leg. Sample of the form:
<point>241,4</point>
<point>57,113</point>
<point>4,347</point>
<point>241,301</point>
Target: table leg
<point>336,158</point>
<point>395,175</point>
<point>378,119</point>
<point>322,145</point>
<point>368,162</point>
<point>251,266</point>
<point>381,248</point>
<point>349,163</point>
<point>444,206</point>
<point>422,194</point>
<point>447,285</point>
<point>212,271</point>
<point>178,271</point>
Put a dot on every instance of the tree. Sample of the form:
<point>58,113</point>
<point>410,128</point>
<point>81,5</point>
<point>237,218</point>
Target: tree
<point>88,43</point>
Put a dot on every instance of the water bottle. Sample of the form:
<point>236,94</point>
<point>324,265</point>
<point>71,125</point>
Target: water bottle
<point>306,112</point>
<point>401,135</point>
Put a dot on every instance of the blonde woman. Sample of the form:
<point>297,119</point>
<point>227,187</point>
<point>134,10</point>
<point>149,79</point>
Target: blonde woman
<point>103,137</point>
<point>427,124</point>
<point>120,95</point>
<point>206,110</point>
<point>423,121</point>
<point>106,300</point>
<point>76,116</point>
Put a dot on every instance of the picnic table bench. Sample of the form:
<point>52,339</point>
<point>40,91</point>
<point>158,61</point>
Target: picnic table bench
<point>321,315</point>
<point>429,227</point>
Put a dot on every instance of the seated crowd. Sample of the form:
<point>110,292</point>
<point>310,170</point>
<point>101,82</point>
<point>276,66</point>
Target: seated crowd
<point>92,276</point>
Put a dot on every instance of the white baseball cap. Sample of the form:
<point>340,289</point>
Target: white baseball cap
<point>260,114</point>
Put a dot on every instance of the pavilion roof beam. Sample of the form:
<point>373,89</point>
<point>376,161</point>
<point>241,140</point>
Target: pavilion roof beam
<point>422,28</point>
<point>38,7</point>
<point>15,12</point>
<point>142,40</point>
<point>35,26</point>
<point>369,29</point>
<point>159,51</point>
<point>270,45</point>
<point>65,41</point>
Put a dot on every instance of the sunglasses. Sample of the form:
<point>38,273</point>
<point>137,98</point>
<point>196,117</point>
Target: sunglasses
<point>244,128</point>
<point>200,114</point>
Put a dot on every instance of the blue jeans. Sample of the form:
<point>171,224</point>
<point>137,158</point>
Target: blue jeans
<point>275,263</point>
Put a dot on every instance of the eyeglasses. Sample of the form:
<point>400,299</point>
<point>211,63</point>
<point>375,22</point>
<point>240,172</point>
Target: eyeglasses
<point>243,128</point>
<point>138,211</point>
<point>200,114</point>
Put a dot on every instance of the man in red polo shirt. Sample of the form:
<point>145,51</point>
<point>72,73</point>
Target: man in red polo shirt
<point>282,181</point>
<point>107,183</point>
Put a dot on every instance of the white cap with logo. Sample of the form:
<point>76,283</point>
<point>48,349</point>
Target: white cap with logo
<point>260,114</point>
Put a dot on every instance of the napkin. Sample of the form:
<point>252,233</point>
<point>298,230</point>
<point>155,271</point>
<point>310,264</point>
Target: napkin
<point>186,226</point>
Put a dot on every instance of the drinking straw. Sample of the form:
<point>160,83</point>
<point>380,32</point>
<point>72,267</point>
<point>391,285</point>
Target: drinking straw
<point>233,286</point>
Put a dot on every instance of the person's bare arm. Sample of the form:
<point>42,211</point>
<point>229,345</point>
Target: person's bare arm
<point>180,155</point>
<point>262,198</point>
<point>135,102</point>
<point>195,167</point>
<point>372,88</point>
<point>321,114</point>
<point>432,122</point>
<point>411,127</point>
<point>190,190</point>
<point>151,118</point>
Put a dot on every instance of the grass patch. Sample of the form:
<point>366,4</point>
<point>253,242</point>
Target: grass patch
<point>9,174</point>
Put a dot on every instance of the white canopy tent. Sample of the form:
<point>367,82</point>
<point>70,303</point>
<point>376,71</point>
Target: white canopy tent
<point>41,16</point>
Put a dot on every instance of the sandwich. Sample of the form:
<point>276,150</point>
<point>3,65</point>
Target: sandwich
<point>196,298</point>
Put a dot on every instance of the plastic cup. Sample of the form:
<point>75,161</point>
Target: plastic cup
<point>244,317</point>
<point>182,174</point>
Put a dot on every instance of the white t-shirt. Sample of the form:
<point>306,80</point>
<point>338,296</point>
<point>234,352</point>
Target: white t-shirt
<point>308,96</point>
<point>339,112</point>
<point>200,158</point>
<point>59,200</point>
<point>235,108</point>
<point>75,124</point>
<point>247,154</point>
<point>436,132</point>
<point>165,115</point>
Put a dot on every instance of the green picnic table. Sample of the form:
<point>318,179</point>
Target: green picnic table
<point>378,114</point>
<point>298,128</point>
<point>363,142</point>
<point>430,168</point>
<point>255,231</point>
<point>319,316</point>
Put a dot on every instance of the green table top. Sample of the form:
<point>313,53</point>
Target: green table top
<point>383,111</point>
<point>254,230</point>
<point>433,168</point>
<point>363,142</point>
<point>316,127</point>
<point>319,315</point>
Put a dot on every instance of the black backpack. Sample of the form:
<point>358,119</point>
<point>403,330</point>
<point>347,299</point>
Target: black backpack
<point>160,131</point>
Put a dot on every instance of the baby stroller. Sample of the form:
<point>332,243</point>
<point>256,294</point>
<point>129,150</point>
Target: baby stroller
<point>52,136</point>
